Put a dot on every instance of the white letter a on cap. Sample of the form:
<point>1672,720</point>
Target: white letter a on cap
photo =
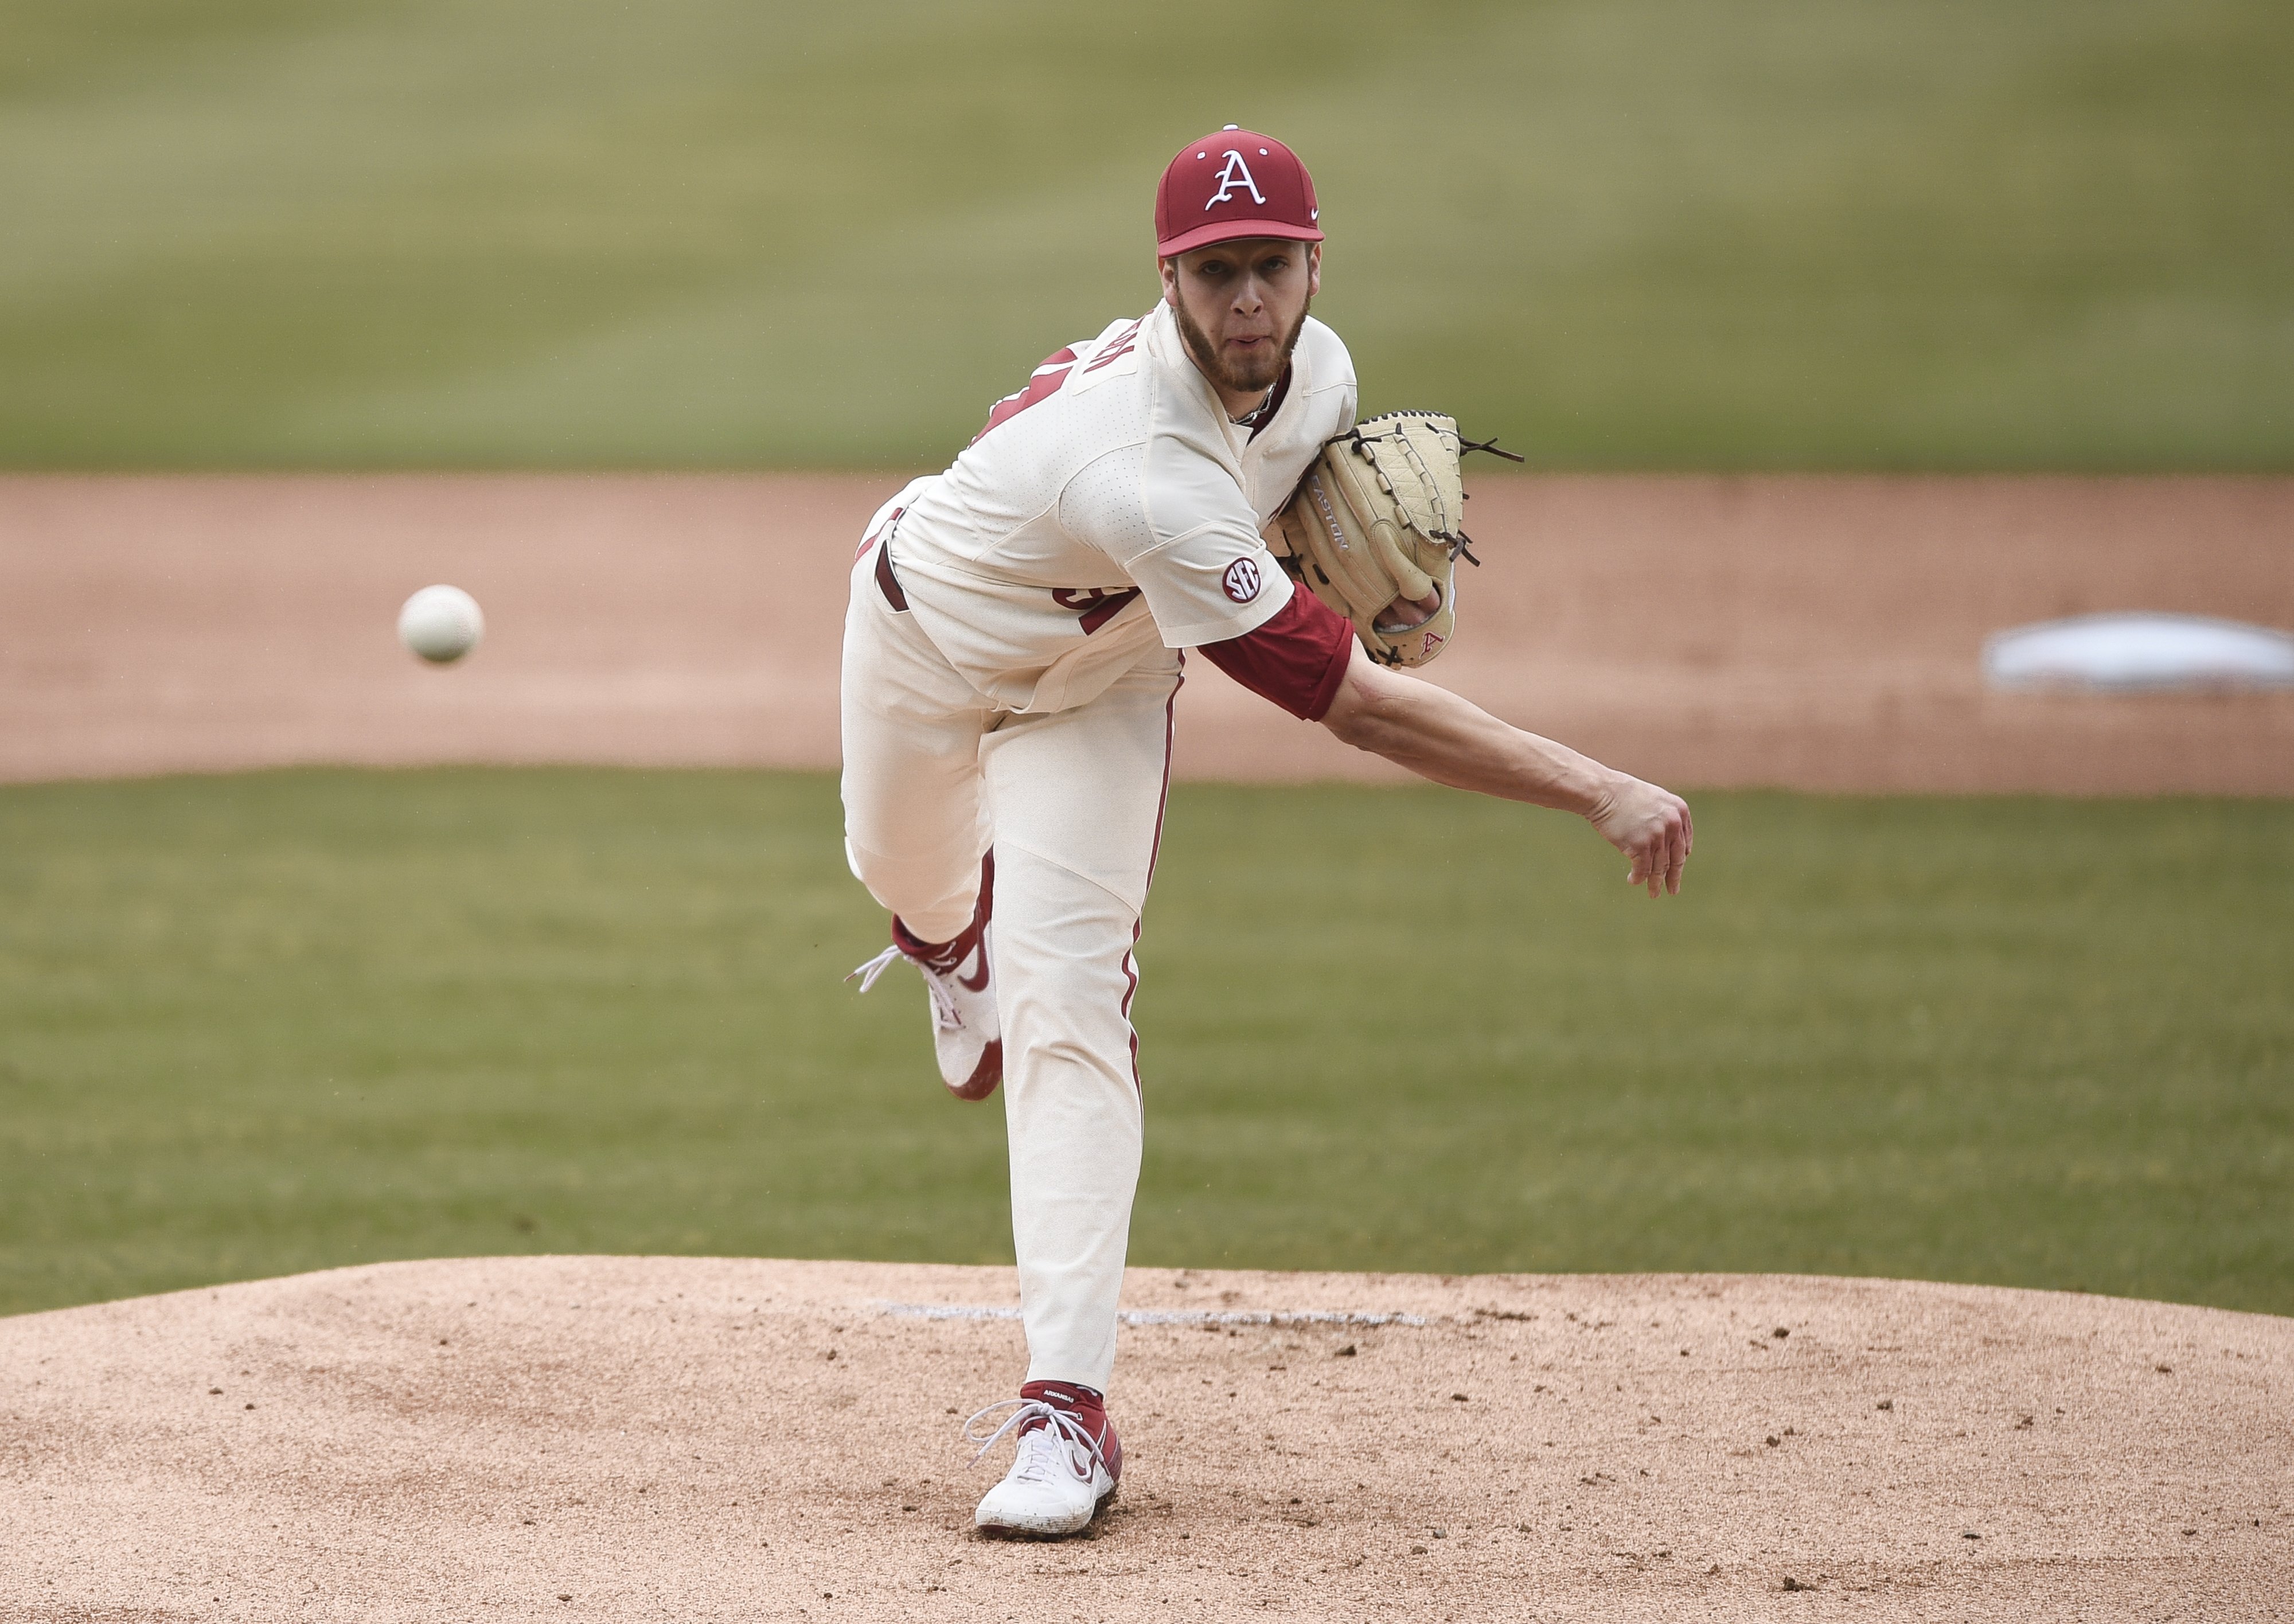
<point>1236,173</point>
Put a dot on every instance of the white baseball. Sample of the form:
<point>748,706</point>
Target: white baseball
<point>441,623</point>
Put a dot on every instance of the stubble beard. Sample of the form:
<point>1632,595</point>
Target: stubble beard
<point>1246,374</point>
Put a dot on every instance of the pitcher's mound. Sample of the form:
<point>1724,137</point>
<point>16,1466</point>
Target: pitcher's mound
<point>608,1438</point>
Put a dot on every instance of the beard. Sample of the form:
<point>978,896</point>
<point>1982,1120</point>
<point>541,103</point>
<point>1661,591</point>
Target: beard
<point>1245,373</point>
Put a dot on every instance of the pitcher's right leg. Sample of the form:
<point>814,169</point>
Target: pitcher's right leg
<point>1080,799</point>
<point>1080,804</point>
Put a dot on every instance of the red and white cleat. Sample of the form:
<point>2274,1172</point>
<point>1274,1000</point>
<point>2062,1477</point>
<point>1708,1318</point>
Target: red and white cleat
<point>966,1035</point>
<point>1068,1466</point>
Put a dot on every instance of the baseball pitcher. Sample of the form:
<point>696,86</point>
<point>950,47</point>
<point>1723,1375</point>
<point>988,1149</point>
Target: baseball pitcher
<point>1192,480</point>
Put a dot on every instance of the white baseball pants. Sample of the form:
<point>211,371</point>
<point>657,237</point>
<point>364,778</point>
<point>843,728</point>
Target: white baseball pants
<point>1071,802</point>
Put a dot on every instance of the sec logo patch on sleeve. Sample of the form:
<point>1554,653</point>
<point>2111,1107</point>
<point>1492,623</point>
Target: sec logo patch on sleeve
<point>1242,582</point>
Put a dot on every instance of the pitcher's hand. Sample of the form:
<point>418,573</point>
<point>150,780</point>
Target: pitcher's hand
<point>1650,825</point>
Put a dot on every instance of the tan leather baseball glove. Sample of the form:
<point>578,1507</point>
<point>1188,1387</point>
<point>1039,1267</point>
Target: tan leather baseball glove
<point>1376,529</point>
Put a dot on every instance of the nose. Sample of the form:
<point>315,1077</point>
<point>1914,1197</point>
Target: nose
<point>1248,296</point>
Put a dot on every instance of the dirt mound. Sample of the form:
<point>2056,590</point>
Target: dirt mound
<point>1815,633</point>
<point>700,1438</point>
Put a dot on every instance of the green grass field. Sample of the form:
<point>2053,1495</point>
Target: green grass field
<point>254,1025</point>
<point>1622,233</point>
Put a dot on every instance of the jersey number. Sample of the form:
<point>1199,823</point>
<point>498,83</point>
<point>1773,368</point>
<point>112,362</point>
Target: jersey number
<point>1094,605</point>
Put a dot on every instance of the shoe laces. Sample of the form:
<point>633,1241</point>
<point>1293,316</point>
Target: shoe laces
<point>946,1016</point>
<point>868,974</point>
<point>1039,1448</point>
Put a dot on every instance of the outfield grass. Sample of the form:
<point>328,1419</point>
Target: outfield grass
<point>1622,233</point>
<point>255,1025</point>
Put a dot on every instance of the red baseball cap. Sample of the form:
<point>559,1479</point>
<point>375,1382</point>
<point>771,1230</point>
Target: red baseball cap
<point>1232,184</point>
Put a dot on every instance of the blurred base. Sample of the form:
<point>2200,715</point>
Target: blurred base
<point>1813,633</point>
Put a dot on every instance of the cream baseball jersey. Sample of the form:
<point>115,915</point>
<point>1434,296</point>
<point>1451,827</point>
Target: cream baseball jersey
<point>1109,507</point>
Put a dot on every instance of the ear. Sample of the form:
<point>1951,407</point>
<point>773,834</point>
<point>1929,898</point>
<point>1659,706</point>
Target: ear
<point>1168,270</point>
<point>1314,269</point>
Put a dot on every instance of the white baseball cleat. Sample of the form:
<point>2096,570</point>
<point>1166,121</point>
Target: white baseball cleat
<point>1067,1467</point>
<point>966,1035</point>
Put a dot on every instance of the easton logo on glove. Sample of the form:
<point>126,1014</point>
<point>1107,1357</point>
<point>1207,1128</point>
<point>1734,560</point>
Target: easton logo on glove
<point>1376,528</point>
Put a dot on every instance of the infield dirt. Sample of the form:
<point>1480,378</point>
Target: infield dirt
<point>1807,632</point>
<point>698,1439</point>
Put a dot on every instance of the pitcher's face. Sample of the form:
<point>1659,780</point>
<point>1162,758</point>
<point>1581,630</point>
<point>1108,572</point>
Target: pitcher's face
<point>1240,306</point>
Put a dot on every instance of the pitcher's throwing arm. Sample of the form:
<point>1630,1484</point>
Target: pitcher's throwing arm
<point>1439,735</point>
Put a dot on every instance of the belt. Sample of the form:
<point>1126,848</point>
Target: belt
<point>887,582</point>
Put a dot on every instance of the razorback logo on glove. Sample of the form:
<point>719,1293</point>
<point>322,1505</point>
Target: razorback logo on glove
<point>1376,528</point>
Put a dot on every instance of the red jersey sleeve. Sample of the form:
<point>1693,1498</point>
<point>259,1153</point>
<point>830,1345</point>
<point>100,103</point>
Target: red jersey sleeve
<point>1297,659</point>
